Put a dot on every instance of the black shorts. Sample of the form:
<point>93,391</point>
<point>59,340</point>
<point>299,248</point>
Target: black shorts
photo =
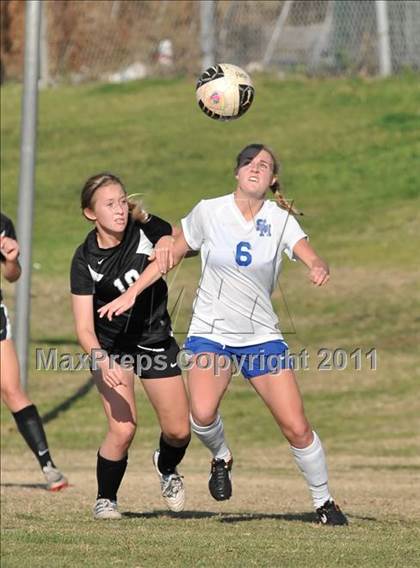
<point>157,361</point>
<point>5,327</point>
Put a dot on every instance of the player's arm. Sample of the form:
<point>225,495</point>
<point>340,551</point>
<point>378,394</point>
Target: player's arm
<point>319,272</point>
<point>9,248</point>
<point>112,374</point>
<point>148,277</point>
<point>176,231</point>
<point>83,317</point>
<point>163,252</point>
<point>162,235</point>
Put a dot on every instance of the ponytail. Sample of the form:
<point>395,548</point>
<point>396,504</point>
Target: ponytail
<point>137,213</point>
<point>282,201</point>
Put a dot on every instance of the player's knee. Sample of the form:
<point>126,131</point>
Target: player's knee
<point>5,395</point>
<point>178,435</point>
<point>204,416</point>
<point>299,433</point>
<point>12,395</point>
<point>123,434</point>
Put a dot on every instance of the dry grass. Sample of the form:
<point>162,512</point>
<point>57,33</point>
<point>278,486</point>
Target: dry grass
<point>270,506</point>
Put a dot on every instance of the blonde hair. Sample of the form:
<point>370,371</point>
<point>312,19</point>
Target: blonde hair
<point>137,212</point>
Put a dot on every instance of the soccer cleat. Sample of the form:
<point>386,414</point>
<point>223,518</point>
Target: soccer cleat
<point>54,478</point>
<point>106,509</point>
<point>220,480</point>
<point>331,514</point>
<point>172,487</point>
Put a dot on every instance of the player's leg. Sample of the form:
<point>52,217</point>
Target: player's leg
<point>12,393</point>
<point>209,375</point>
<point>208,379</point>
<point>280,393</point>
<point>120,410</point>
<point>169,400</point>
<point>26,416</point>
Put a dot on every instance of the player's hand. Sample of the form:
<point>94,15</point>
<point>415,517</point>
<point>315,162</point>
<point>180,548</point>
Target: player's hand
<point>163,253</point>
<point>9,248</point>
<point>112,373</point>
<point>119,305</point>
<point>319,273</point>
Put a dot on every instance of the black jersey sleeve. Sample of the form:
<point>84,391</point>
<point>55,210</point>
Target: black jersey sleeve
<point>81,281</point>
<point>155,228</point>
<point>7,229</point>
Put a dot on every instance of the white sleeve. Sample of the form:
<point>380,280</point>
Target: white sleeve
<point>193,227</point>
<point>292,233</point>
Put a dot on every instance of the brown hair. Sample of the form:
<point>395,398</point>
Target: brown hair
<point>248,154</point>
<point>103,179</point>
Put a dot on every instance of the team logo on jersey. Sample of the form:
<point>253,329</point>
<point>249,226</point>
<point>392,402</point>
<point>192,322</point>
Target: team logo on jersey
<point>263,228</point>
<point>96,277</point>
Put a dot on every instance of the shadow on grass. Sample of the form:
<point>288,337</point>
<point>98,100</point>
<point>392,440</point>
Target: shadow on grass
<point>235,517</point>
<point>55,340</point>
<point>41,486</point>
<point>224,517</point>
<point>68,402</point>
<point>170,514</point>
<point>300,517</point>
<point>361,518</point>
<point>25,485</point>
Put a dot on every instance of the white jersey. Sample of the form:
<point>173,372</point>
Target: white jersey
<point>241,261</point>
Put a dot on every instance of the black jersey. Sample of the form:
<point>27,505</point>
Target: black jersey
<point>107,273</point>
<point>6,230</point>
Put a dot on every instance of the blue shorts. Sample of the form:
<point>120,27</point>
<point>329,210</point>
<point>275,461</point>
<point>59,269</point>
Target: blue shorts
<point>252,360</point>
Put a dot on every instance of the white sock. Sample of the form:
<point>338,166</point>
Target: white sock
<point>213,437</point>
<point>312,463</point>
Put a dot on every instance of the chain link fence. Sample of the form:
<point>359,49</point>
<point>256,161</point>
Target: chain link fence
<point>117,40</point>
<point>318,37</point>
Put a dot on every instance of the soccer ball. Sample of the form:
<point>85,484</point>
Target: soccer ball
<point>224,92</point>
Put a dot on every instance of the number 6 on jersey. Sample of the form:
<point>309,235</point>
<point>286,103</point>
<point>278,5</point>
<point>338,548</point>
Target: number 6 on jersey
<point>243,257</point>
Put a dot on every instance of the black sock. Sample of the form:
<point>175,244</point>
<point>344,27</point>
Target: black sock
<point>30,426</point>
<point>109,475</point>
<point>169,456</point>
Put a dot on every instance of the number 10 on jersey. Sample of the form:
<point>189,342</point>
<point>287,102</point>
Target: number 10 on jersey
<point>130,277</point>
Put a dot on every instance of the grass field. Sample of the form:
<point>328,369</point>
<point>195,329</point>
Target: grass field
<point>350,152</point>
